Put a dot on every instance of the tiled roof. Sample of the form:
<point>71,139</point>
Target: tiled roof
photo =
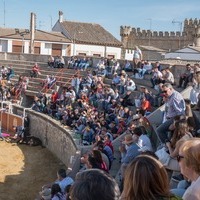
<point>151,48</point>
<point>194,48</point>
<point>90,33</point>
<point>39,35</point>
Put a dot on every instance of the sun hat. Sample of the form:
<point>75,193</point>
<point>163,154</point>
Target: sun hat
<point>128,139</point>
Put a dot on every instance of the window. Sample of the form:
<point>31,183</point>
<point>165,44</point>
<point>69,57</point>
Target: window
<point>111,56</point>
<point>82,54</point>
<point>97,55</point>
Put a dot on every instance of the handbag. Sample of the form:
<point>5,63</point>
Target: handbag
<point>163,156</point>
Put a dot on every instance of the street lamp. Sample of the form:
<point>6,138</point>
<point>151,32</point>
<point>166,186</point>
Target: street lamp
<point>180,25</point>
<point>74,39</point>
<point>22,34</point>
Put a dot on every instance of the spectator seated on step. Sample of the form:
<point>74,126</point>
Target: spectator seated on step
<point>146,106</point>
<point>51,81</point>
<point>63,180</point>
<point>168,77</point>
<point>145,68</point>
<point>115,80</point>
<point>35,71</point>
<point>61,62</point>
<point>127,99</point>
<point>143,140</point>
<point>195,92</point>
<point>94,184</point>
<point>51,61</point>
<point>156,77</point>
<point>4,72</point>
<point>131,151</point>
<point>186,77</point>
<point>10,73</point>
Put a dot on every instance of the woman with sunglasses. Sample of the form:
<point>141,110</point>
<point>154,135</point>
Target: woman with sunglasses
<point>180,134</point>
<point>189,161</point>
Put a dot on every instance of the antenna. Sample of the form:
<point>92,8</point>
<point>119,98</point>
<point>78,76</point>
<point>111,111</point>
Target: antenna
<point>51,22</point>
<point>4,14</point>
<point>41,23</point>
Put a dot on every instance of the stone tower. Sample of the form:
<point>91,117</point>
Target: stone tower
<point>124,33</point>
<point>197,37</point>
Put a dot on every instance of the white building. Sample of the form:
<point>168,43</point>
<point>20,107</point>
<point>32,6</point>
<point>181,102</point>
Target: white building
<point>45,43</point>
<point>89,39</point>
<point>189,53</point>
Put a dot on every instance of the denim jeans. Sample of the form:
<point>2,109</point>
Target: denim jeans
<point>163,129</point>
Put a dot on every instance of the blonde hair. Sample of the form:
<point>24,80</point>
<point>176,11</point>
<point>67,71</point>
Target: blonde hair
<point>145,178</point>
<point>191,152</point>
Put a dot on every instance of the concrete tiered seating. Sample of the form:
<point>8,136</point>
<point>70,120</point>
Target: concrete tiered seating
<point>23,68</point>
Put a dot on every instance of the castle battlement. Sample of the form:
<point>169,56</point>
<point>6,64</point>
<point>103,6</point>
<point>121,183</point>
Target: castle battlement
<point>190,27</point>
<point>191,22</point>
<point>147,33</point>
<point>189,34</point>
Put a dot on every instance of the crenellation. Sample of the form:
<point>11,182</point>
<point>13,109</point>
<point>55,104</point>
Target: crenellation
<point>196,21</point>
<point>160,34</point>
<point>134,30</point>
<point>191,21</point>
<point>144,33</point>
<point>125,30</point>
<point>186,22</point>
<point>172,33</point>
<point>178,33</point>
<point>166,34</point>
<point>149,33</point>
<point>155,34</point>
<point>165,39</point>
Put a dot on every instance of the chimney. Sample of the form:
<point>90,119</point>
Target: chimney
<point>60,16</point>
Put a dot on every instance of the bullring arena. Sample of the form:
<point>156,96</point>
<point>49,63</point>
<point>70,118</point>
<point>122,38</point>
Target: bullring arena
<point>24,169</point>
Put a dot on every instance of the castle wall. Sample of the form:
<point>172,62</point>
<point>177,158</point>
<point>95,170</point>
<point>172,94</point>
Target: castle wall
<point>163,40</point>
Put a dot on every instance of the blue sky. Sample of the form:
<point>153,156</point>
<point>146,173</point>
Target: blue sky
<point>111,14</point>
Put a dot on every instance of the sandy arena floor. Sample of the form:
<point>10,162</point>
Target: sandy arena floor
<point>24,169</point>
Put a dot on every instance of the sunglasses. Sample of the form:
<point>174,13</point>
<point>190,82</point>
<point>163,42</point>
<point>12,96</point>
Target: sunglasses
<point>165,91</point>
<point>179,157</point>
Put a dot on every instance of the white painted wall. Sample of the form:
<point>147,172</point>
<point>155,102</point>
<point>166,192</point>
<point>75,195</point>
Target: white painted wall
<point>45,48</point>
<point>64,50</point>
<point>129,55</point>
<point>9,46</point>
<point>26,47</point>
<point>3,45</point>
<point>90,50</point>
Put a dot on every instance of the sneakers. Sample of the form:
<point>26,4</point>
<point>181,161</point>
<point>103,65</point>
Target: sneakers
<point>177,178</point>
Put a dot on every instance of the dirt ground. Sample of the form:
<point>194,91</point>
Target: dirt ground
<point>24,169</point>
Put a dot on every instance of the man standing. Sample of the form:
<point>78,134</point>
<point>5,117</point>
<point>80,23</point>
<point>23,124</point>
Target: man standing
<point>175,106</point>
<point>137,57</point>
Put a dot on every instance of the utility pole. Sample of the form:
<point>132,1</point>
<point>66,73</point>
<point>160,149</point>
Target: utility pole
<point>180,26</point>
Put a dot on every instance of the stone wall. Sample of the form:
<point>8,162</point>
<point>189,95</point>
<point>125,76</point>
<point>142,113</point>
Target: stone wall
<point>131,36</point>
<point>54,137</point>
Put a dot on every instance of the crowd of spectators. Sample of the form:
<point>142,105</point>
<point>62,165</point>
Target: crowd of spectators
<point>99,113</point>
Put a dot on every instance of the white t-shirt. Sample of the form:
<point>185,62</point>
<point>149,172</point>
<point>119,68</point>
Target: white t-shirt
<point>193,192</point>
<point>145,143</point>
